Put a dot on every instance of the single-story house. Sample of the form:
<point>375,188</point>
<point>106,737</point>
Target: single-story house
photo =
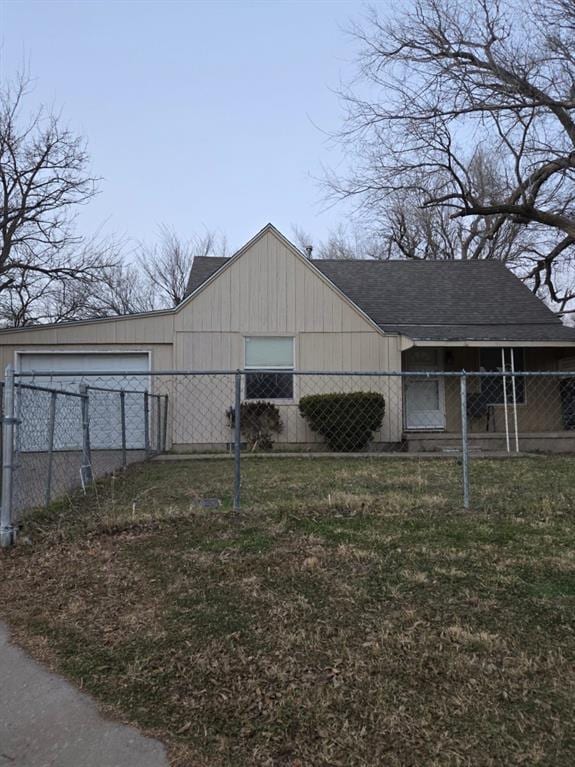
<point>271,306</point>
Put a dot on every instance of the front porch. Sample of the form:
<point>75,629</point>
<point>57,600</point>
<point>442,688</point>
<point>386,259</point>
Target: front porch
<point>522,413</point>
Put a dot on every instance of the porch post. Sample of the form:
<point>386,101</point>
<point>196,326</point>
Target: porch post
<point>514,393</point>
<point>464,438</point>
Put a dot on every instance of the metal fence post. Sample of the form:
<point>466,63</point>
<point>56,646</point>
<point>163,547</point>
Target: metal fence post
<point>7,530</point>
<point>165,425</point>
<point>158,401</point>
<point>1,422</point>
<point>464,439</point>
<point>146,424</point>
<point>237,441</point>
<point>123,426</point>
<point>51,425</point>
<point>87,474</point>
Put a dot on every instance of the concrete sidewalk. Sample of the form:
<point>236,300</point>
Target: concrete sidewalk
<point>46,722</point>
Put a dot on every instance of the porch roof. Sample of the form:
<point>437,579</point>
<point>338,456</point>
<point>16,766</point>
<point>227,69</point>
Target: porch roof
<point>543,333</point>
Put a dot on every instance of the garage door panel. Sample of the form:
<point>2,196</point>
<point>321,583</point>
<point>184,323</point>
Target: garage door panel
<point>104,406</point>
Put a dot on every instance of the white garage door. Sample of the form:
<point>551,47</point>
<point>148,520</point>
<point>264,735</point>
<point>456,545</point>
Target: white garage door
<point>105,420</point>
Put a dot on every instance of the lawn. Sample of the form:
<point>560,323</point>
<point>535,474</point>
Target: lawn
<point>352,613</point>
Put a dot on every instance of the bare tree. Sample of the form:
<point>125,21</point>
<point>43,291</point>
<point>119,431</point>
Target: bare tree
<point>44,177</point>
<point>467,111</point>
<point>166,266</point>
<point>413,229</point>
<point>120,290</point>
<point>115,288</point>
<point>341,243</point>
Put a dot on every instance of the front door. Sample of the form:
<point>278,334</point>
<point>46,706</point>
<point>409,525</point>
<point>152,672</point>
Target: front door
<point>424,396</point>
<point>424,403</point>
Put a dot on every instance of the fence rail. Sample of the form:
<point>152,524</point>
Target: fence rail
<point>63,430</point>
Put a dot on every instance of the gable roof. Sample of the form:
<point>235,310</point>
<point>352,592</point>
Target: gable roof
<point>433,300</point>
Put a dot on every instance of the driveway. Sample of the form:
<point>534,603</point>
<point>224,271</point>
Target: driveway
<point>46,722</point>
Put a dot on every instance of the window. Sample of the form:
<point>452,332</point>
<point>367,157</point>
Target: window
<point>492,360</point>
<point>275,353</point>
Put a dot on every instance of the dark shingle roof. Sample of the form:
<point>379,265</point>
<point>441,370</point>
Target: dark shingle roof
<point>435,300</point>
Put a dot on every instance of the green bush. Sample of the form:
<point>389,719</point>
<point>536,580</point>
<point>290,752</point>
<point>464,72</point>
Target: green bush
<point>259,421</point>
<point>345,421</point>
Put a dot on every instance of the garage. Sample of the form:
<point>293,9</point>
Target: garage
<point>97,370</point>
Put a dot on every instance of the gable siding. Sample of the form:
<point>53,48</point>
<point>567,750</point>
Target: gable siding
<point>269,289</point>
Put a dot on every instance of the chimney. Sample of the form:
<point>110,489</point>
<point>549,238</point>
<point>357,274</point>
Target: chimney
<point>308,250</point>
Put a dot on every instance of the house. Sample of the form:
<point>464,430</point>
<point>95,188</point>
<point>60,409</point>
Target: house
<point>270,306</point>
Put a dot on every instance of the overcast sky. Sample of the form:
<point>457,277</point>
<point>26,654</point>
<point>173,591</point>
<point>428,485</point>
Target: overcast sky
<point>198,114</point>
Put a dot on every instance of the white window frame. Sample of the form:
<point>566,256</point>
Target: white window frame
<point>291,368</point>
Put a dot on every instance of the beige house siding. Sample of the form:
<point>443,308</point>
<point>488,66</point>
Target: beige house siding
<point>313,351</point>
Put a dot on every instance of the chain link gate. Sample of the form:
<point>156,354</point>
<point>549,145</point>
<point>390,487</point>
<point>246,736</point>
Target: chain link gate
<point>56,440</point>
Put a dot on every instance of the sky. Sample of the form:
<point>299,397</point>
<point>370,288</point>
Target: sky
<point>198,115</point>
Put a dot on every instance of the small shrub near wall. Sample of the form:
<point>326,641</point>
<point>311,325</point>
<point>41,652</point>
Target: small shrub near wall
<point>260,421</point>
<point>347,422</point>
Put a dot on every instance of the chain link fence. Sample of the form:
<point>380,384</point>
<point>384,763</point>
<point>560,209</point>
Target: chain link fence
<point>63,431</point>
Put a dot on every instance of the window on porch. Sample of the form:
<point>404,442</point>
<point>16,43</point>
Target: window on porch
<point>498,361</point>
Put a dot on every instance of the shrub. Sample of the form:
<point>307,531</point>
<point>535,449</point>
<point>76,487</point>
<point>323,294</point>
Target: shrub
<point>259,421</point>
<point>345,421</point>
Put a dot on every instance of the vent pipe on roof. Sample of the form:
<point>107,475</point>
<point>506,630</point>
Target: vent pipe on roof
<point>308,250</point>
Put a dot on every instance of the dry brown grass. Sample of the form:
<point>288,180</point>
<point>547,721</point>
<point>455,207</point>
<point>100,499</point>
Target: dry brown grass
<point>354,619</point>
